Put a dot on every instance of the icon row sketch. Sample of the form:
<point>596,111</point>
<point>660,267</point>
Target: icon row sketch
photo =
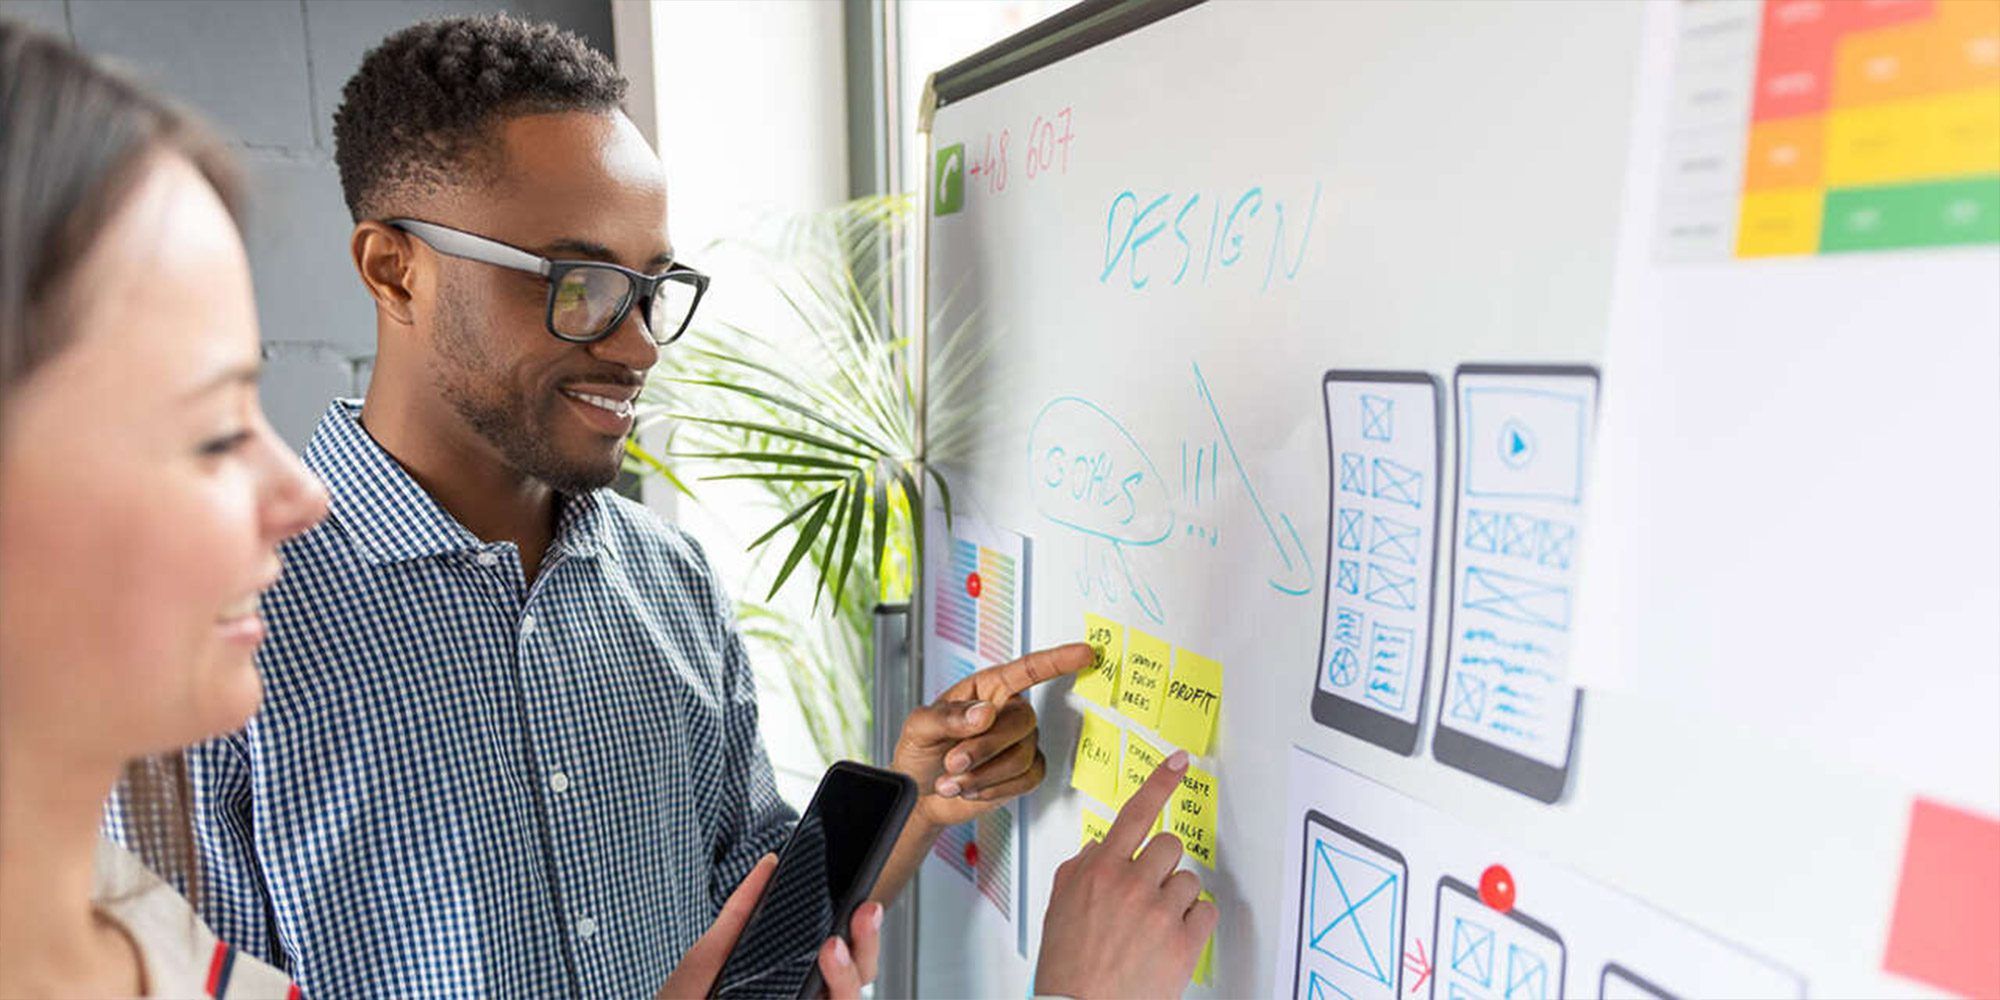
<point>1519,439</point>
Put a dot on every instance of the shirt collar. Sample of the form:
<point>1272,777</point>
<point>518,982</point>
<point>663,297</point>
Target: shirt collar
<point>392,519</point>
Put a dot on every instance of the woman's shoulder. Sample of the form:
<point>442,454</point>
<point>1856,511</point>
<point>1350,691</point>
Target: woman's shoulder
<point>181,956</point>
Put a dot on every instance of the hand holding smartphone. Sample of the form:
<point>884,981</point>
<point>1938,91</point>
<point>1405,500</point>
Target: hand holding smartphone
<point>825,871</point>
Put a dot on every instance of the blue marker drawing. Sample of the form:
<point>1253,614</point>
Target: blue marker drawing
<point>1343,667</point>
<point>1482,530</point>
<point>1348,577</point>
<point>1555,541</point>
<point>1517,536</point>
<point>1391,589</point>
<point>1347,627</point>
<point>1389,666</point>
<point>1347,530</point>
<point>1518,599</point>
<point>1524,444</point>
<point>1472,950</point>
<point>1299,577</point>
<point>1468,700</point>
<point>1389,538</point>
<point>1353,473</point>
<point>1398,483</point>
<point>1378,417</point>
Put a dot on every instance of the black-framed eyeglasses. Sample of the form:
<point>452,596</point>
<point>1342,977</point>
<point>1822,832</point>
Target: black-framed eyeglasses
<point>587,298</point>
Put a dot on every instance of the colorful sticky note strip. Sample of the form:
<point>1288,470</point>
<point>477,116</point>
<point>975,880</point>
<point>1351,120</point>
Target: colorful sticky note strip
<point>1143,680</point>
<point>1095,771</point>
<point>1107,649</point>
<point>1945,922</point>
<point>1194,700</point>
<point>1191,814</point>
<point>1204,970</point>
<point>1094,828</point>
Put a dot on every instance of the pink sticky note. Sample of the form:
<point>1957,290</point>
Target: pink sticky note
<point>1946,930</point>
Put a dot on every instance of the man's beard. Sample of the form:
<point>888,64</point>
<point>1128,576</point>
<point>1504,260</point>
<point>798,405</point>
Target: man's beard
<point>521,429</point>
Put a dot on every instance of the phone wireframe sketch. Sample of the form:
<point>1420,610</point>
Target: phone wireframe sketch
<point>1353,911</point>
<point>1385,456</point>
<point>1484,954</point>
<point>1521,452</point>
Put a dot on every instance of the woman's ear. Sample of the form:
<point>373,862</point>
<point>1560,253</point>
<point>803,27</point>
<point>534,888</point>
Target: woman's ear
<point>386,257</point>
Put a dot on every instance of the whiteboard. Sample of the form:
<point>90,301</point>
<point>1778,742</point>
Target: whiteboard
<point>1183,279</point>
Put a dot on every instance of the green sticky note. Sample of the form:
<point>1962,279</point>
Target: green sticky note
<point>1095,772</point>
<point>1094,828</point>
<point>948,192</point>
<point>1107,651</point>
<point>1204,970</point>
<point>1194,701</point>
<point>1143,680</point>
<point>1191,815</point>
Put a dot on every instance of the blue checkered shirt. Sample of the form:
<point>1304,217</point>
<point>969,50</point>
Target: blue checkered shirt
<point>463,782</point>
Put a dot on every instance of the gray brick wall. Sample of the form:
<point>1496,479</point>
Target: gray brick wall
<point>268,73</point>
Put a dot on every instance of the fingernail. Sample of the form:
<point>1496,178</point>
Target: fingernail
<point>978,714</point>
<point>840,953</point>
<point>875,921</point>
<point>958,761</point>
<point>948,789</point>
<point>1177,761</point>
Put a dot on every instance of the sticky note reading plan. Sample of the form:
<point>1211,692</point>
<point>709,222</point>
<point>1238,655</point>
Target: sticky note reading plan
<point>1194,701</point>
<point>1204,969</point>
<point>1144,678</point>
<point>1107,651</point>
<point>1094,828</point>
<point>1191,815</point>
<point>1095,772</point>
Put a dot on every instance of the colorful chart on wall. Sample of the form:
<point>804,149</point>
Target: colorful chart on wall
<point>977,622</point>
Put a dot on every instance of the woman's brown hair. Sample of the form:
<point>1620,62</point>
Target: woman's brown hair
<point>75,139</point>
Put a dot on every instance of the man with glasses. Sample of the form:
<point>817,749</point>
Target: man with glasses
<point>509,739</point>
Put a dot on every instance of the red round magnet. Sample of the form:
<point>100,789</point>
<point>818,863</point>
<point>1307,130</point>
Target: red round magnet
<point>972,849</point>
<point>972,584</point>
<point>1496,888</point>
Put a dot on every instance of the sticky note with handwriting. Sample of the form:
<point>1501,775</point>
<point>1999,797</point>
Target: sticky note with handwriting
<point>1191,815</point>
<point>1193,702</point>
<point>1107,650</point>
<point>1141,757</point>
<point>1094,828</point>
<point>1143,680</point>
<point>1095,772</point>
<point>1204,970</point>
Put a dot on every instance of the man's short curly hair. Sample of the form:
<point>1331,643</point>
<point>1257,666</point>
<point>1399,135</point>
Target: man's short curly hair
<point>418,115</point>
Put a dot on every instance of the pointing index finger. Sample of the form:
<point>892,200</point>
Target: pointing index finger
<point>1128,831</point>
<point>1035,668</point>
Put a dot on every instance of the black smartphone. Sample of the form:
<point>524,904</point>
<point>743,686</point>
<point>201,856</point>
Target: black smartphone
<point>826,870</point>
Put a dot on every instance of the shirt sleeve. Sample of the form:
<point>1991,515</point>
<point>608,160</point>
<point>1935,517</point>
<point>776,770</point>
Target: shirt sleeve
<point>231,896</point>
<point>760,820</point>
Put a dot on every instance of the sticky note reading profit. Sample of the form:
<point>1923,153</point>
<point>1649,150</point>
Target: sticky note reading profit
<point>1141,758</point>
<point>1144,678</point>
<point>1191,815</point>
<point>1095,772</point>
<point>1107,650</point>
<point>1094,828</point>
<point>1194,701</point>
<point>1204,969</point>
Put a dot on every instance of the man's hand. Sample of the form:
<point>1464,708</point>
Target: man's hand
<point>974,748</point>
<point>844,971</point>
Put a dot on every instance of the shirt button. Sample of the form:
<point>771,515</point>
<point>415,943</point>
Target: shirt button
<point>559,782</point>
<point>488,559</point>
<point>527,623</point>
<point>585,927</point>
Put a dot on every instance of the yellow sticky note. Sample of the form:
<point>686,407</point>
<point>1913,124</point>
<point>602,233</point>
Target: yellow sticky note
<point>1095,772</point>
<point>1094,828</point>
<point>1204,970</point>
<point>1141,758</point>
<point>1191,815</point>
<point>1194,700</point>
<point>1107,650</point>
<point>1144,677</point>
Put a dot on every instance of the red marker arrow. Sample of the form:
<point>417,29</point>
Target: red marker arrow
<point>1418,965</point>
